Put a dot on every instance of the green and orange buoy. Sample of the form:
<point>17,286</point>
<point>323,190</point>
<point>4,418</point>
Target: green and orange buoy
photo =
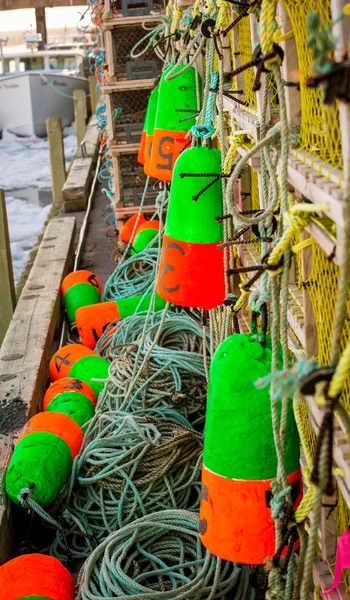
<point>79,362</point>
<point>93,321</point>
<point>71,397</point>
<point>240,461</point>
<point>178,98</point>
<point>149,129</point>
<point>191,271</point>
<point>80,288</point>
<point>127,231</point>
<point>37,577</point>
<point>145,233</point>
<point>43,456</point>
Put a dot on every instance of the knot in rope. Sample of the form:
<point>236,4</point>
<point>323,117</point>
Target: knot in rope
<point>280,500</point>
<point>286,382</point>
<point>206,130</point>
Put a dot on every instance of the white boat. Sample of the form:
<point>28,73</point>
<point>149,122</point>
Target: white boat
<point>40,85</point>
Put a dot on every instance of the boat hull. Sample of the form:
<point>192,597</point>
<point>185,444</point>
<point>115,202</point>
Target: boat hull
<point>27,100</point>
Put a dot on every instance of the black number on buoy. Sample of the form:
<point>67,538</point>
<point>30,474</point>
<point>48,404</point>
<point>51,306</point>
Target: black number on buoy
<point>75,384</point>
<point>92,279</point>
<point>94,332</point>
<point>169,156</point>
<point>167,268</point>
<point>61,360</point>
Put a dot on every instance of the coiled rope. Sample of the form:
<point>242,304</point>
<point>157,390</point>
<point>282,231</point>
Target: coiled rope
<point>160,557</point>
<point>132,277</point>
<point>173,372</point>
<point>132,466</point>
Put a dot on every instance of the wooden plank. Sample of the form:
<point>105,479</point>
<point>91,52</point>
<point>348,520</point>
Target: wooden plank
<point>7,288</point>
<point>128,84</point>
<point>25,351</point>
<point>311,341</point>
<point>21,4</point>
<point>323,576</point>
<point>117,149</point>
<point>108,41</point>
<point>112,21</point>
<point>76,188</point>
<point>94,94</point>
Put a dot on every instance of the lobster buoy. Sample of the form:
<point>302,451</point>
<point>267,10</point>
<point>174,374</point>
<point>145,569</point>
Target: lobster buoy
<point>144,154</point>
<point>144,235</point>
<point>151,121</point>
<point>191,271</point>
<point>71,397</point>
<point>43,456</point>
<point>80,288</point>
<point>35,576</point>
<point>92,321</point>
<point>126,231</point>
<point>240,462</point>
<point>79,362</point>
<point>170,131</point>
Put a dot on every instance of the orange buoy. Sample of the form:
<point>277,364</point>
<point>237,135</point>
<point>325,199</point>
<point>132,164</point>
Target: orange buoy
<point>58,424</point>
<point>77,277</point>
<point>93,321</point>
<point>64,358</point>
<point>79,362</point>
<point>35,576</point>
<point>170,134</point>
<point>80,288</point>
<point>128,227</point>
<point>191,270</point>
<point>67,384</point>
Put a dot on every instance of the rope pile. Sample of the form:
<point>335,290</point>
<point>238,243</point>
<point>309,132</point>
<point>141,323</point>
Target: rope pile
<point>131,466</point>
<point>166,363</point>
<point>134,276</point>
<point>160,557</point>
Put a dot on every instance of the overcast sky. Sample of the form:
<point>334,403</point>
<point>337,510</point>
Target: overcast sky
<point>17,20</point>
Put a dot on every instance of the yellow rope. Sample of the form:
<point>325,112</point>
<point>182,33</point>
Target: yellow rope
<point>223,7</point>
<point>341,373</point>
<point>295,220</point>
<point>267,22</point>
<point>235,141</point>
<point>177,14</point>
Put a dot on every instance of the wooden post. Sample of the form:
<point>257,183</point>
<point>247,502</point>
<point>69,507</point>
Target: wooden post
<point>94,95</point>
<point>79,114</point>
<point>56,149</point>
<point>40,18</point>
<point>7,287</point>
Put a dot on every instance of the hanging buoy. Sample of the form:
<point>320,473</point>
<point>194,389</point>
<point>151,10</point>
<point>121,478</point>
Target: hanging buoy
<point>128,227</point>
<point>177,100</point>
<point>240,460</point>
<point>79,362</point>
<point>151,121</point>
<point>92,321</point>
<point>191,271</point>
<point>42,458</point>
<point>80,288</point>
<point>71,397</point>
<point>144,235</point>
<point>35,576</point>
<point>144,154</point>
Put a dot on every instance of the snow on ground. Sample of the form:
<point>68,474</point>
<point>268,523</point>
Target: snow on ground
<point>25,163</point>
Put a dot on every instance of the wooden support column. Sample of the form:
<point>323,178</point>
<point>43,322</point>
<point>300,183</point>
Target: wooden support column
<point>57,163</point>
<point>289,68</point>
<point>80,114</point>
<point>40,18</point>
<point>7,288</point>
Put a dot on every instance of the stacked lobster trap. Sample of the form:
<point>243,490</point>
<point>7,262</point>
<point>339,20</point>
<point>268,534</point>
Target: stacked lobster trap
<point>128,81</point>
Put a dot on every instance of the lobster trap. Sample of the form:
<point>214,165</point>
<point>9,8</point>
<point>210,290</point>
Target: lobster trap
<point>134,8</point>
<point>126,110</point>
<point>119,44</point>
<point>130,180</point>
